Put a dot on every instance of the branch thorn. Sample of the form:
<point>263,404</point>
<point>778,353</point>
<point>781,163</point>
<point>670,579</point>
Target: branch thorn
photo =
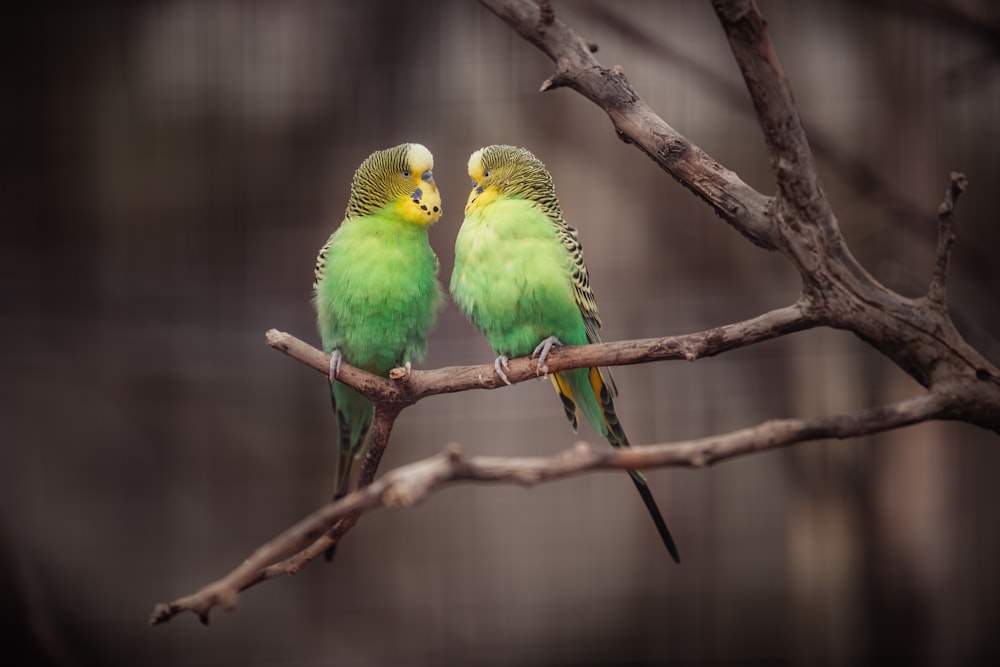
<point>555,81</point>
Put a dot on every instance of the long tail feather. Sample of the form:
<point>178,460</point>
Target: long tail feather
<point>602,416</point>
<point>654,511</point>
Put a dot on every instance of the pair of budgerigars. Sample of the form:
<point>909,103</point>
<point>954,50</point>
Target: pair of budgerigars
<point>519,277</point>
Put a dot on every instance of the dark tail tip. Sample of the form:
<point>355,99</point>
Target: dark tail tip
<point>654,512</point>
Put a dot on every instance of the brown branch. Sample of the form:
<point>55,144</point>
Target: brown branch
<point>304,542</point>
<point>411,484</point>
<point>401,488</point>
<point>224,592</point>
<point>865,179</point>
<point>914,333</point>
<point>404,389</point>
<point>735,201</point>
<point>937,294</point>
<point>378,439</point>
<point>301,544</point>
<point>791,158</point>
<point>407,389</point>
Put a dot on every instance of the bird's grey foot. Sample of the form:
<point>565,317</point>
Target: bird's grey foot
<point>336,359</point>
<point>542,353</point>
<point>500,365</point>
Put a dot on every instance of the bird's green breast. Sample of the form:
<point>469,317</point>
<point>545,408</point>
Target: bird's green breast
<point>378,295</point>
<point>512,278</point>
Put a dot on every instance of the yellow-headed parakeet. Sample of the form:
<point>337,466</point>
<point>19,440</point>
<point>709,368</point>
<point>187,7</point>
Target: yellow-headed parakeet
<point>520,279</point>
<point>376,292</point>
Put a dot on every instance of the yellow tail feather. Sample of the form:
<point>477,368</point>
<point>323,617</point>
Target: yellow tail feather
<point>561,383</point>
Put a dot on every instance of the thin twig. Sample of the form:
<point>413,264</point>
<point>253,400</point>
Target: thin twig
<point>421,384</point>
<point>957,183</point>
<point>378,440</point>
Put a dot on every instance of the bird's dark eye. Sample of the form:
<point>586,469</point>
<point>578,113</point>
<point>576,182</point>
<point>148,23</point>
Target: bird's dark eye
<point>427,175</point>
<point>486,173</point>
<point>406,173</point>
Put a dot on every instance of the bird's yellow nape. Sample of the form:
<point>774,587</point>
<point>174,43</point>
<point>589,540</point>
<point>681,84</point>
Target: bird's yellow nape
<point>422,205</point>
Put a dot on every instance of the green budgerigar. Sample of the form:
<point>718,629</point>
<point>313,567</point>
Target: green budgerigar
<point>376,291</point>
<point>520,279</point>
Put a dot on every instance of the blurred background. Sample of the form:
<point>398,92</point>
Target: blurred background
<point>171,169</point>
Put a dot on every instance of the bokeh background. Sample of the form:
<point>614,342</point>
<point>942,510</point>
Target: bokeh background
<point>170,170</point>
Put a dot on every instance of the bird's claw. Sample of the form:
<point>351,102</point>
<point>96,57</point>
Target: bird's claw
<point>502,364</point>
<point>542,352</point>
<point>336,359</point>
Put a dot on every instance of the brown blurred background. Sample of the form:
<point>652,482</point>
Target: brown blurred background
<point>170,170</point>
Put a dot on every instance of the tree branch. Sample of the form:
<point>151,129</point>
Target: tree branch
<point>866,181</point>
<point>798,222</point>
<point>294,548</point>
<point>917,334</point>
<point>635,122</point>
<point>791,158</point>
<point>937,294</point>
<point>378,439</point>
<point>407,389</point>
<point>408,485</point>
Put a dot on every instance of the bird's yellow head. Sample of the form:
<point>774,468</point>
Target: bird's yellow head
<point>507,171</point>
<point>400,179</point>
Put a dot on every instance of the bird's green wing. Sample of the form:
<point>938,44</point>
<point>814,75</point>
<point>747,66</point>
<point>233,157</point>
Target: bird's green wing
<point>585,300</point>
